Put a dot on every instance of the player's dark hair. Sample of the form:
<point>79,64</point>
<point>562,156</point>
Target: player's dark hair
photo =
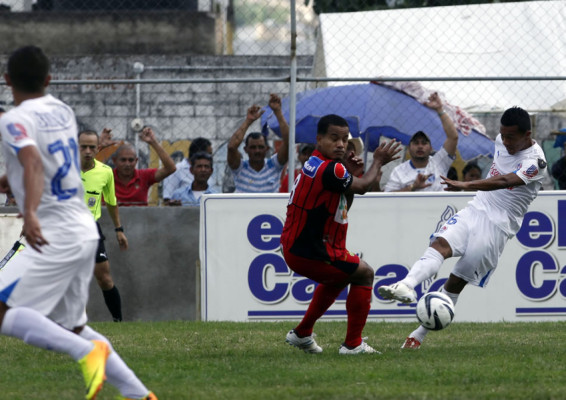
<point>28,67</point>
<point>327,120</point>
<point>255,135</point>
<point>516,116</point>
<point>201,155</point>
<point>199,144</point>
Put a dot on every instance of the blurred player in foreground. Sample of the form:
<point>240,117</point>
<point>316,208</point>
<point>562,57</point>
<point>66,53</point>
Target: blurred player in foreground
<point>314,236</point>
<point>478,233</point>
<point>44,290</point>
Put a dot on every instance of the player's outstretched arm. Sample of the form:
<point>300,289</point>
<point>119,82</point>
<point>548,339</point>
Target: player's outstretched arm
<point>493,183</point>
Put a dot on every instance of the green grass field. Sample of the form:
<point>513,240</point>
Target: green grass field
<point>213,360</point>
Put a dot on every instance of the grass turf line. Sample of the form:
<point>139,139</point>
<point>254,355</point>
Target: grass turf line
<point>227,360</point>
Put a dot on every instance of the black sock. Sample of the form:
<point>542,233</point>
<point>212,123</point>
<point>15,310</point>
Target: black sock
<point>114,303</point>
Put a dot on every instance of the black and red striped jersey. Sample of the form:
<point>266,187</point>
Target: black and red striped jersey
<point>317,217</point>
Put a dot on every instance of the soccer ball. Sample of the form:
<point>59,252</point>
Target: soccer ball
<point>435,311</point>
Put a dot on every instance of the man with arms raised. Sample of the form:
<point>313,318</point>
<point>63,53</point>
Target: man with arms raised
<point>422,172</point>
<point>314,236</point>
<point>478,233</point>
<point>132,184</point>
<point>258,174</point>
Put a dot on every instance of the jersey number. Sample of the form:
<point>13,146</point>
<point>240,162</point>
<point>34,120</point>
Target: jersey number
<point>297,179</point>
<point>63,170</point>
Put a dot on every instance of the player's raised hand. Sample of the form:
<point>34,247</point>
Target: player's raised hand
<point>354,164</point>
<point>387,152</point>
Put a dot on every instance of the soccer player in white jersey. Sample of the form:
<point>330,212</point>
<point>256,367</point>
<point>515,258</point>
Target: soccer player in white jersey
<point>478,233</point>
<point>422,172</point>
<point>44,291</point>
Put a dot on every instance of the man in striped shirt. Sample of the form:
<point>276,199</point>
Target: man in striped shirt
<point>258,174</point>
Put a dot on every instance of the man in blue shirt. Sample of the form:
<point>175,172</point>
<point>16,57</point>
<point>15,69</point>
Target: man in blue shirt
<point>201,168</point>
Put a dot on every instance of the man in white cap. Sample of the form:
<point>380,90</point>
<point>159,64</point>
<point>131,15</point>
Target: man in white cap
<point>422,172</point>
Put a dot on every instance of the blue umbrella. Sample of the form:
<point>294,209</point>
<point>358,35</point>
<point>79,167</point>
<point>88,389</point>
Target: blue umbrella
<point>373,111</point>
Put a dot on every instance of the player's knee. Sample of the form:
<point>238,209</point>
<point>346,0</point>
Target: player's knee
<point>366,273</point>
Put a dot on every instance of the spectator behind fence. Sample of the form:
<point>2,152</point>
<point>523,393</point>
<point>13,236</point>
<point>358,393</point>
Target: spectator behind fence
<point>201,168</point>
<point>471,172</point>
<point>258,174</point>
<point>305,151</point>
<point>183,177</point>
<point>422,171</point>
<point>132,184</point>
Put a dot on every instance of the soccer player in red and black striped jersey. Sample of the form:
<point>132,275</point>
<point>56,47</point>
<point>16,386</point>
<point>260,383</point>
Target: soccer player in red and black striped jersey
<point>314,236</point>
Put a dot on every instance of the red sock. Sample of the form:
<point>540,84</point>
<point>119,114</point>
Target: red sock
<point>322,299</point>
<point>357,307</point>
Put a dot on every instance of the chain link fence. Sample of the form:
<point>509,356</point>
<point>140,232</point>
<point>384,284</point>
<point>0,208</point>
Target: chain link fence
<point>192,68</point>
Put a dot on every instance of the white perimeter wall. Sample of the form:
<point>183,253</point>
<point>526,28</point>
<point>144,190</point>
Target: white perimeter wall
<point>244,277</point>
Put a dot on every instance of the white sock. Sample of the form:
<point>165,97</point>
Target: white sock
<point>35,329</point>
<point>421,331</point>
<point>118,373</point>
<point>453,296</point>
<point>424,268</point>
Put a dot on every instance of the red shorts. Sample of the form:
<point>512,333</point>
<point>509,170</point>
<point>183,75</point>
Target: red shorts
<point>326,272</point>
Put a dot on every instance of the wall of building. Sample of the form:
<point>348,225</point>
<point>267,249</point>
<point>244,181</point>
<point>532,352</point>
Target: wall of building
<point>98,32</point>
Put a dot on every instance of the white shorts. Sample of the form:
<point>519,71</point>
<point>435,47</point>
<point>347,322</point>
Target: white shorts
<point>477,241</point>
<point>54,282</point>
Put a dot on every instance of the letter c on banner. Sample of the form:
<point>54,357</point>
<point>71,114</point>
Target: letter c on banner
<point>525,272</point>
<point>258,278</point>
